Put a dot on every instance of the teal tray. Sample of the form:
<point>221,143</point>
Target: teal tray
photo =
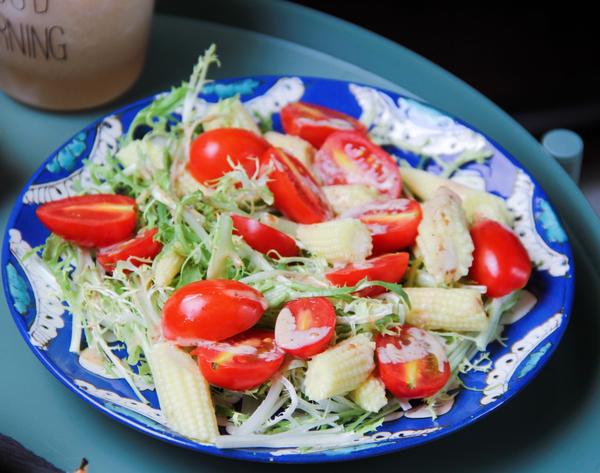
<point>558,414</point>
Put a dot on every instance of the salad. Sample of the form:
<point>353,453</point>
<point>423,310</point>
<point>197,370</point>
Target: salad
<point>292,289</point>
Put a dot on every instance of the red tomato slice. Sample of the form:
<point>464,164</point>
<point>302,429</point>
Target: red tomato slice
<point>214,309</point>
<point>263,238</point>
<point>412,363</point>
<point>500,261</point>
<point>387,268</point>
<point>242,362</point>
<point>351,158</point>
<point>393,224</point>
<point>304,327</point>
<point>297,194</point>
<point>314,123</point>
<point>90,220</point>
<point>143,246</point>
<point>210,151</point>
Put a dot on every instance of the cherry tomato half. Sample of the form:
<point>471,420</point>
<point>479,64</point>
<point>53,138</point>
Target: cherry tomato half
<point>351,158</point>
<point>214,309</point>
<point>412,363</point>
<point>263,238</point>
<point>90,220</point>
<point>242,362</point>
<point>393,224</point>
<point>304,327</point>
<point>143,246</point>
<point>500,261</point>
<point>314,123</point>
<point>211,150</point>
<point>297,194</point>
<point>387,268</point>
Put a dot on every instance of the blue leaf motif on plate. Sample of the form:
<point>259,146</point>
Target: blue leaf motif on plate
<point>66,158</point>
<point>223,91</point>
<point>549,222</point>
<point>533,360</point>
<point>18,290</point>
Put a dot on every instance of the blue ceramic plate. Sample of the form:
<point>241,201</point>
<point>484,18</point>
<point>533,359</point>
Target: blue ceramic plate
<point>410,130</point>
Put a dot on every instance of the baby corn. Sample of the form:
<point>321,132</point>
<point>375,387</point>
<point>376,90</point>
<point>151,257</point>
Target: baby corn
<point>370,395</point>
<point>444,241</point>
<point>338,241</point>
<point>454,310</point>
<point>346,197</point>
<point>340,369</point>
<point>476,203</point>
<point>183,393</point>
<point>167,266</point>
<point>229,113</point>
<point>302,150</point>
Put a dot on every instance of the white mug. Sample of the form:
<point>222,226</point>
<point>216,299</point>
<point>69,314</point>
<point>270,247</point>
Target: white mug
<point>71,54</point>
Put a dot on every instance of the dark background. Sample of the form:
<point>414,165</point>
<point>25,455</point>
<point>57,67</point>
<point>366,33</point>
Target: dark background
<point>541,65</point>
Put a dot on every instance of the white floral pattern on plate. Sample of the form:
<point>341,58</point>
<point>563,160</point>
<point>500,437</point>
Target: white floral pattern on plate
<point>49,308</point>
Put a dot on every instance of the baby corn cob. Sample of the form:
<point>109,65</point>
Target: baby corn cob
<point>166,266</point>
<point>139,150</point>
<point>229,113</point>
<point>370,395</point>
<point>340,369</point>
<point>454,310</point>
<point>444,241</point>
<point>482,205</point>
<point>338,241</point>
<point>302,150</point>
<point>476,203</point>
<point>346,197</point>
<point>183,393</point>
<point>185,184</point>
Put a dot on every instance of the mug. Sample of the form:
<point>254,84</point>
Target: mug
<point>71,54</point>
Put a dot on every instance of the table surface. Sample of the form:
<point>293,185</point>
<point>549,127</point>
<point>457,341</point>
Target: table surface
<point>551,426</point>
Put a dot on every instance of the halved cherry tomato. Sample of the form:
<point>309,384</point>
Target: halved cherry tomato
<point>393,224</point>
<point>214,309</point>
<point>387,268</point>
<point>304,327</point>
<point>297,194</point>
<point>211,150</point>
<point>90,220</point>
<point>412,363</point>
<point>351,158</point>
<point>263,238</point>
<point>315,123</point>
<point>500,261</point>
<point>143,246</point>
<point>242,362</point>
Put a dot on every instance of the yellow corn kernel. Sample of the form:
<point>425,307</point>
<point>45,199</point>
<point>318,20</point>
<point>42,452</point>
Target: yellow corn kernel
<point>338,241</point>
<point>347,197</point>
<point>454,310</point>
<point>444,241</point>
<point>476,203</point>
<point>300,149</point>
<point>183,393</point>
<point>340,369</point>
<point>370,395</point>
